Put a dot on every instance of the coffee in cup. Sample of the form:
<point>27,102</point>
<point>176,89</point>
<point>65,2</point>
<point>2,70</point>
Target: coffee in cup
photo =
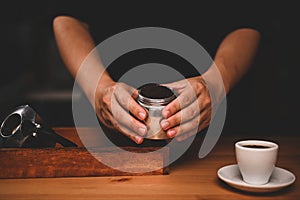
<point>256,160</point>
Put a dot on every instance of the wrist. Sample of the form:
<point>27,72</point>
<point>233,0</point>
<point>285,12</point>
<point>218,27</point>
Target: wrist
<point>104,84</point>
<point>96,89</point>
<point>214,82</point>
<point>221,67</point>
<point>105,81</point>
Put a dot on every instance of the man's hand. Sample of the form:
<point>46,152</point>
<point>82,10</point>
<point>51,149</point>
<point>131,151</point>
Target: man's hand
<point>190,112</point>
<point>116,108</point>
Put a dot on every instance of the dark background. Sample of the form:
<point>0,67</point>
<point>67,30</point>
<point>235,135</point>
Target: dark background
<point>264,102</point>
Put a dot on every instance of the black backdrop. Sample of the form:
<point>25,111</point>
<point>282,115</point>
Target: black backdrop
<point>264,102</point>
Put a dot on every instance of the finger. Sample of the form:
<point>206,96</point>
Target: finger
<point>184,99</point>
<point>121,128</point>
<point>184,115</point>
<point>184,136</point>
<point>184,127</point>
<point>105,117</point>
<point>128,103</point>
<point>135,93</point>
<point>194,123</point>
<point>200,105</point>
<point>130,134</point>
<point>122,116</point>
<point>124,97</point>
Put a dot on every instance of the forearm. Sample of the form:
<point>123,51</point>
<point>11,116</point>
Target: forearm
<point>235,55</point>
<point>75,44</point>
<point>233,58</point>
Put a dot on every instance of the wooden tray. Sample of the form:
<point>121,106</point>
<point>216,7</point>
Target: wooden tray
<point>77,161</point>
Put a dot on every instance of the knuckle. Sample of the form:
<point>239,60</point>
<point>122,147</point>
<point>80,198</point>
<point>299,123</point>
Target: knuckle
<point>179,104</point>
<point>176,120</point>
<point>173,105</point>
<point>133,124</point>
<point>181,130</point>
<point>185,99</point>
<point>115,124</point>
<point>201,86</point>
<point>195,123</point>
<point>190,112</point>
<point>198,87</point>
<point>207,101</point>
<point>132,106</point>
<point>106,100</point>
<point>178,130</point>
<point>107,121</point>
<point>123,101</point>
<point>119,86</point>
<point>202,118</point>
<point>207,121</point>
<point>117,115</point>
<point>112,89</point>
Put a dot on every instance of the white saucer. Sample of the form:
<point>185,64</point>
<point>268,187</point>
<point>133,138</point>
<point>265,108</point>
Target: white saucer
<point>280,178</point>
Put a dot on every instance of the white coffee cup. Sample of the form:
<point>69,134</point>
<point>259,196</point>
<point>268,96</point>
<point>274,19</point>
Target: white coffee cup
<point>256,160</point>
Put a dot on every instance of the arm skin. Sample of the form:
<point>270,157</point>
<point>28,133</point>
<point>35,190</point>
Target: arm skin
<point>192,110</point>
<point>235,55</point>
<point>185,116</point>
<point>75,44</point>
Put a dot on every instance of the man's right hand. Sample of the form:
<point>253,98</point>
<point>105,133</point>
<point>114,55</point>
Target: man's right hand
<point>116,108</point>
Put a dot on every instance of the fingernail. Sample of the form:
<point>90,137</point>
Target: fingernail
<point>165,113</point>
<point>138,139</point>
<point>142,115</point>
<point>171,133</point>
<point>142,130</point>
<point>164,124</point>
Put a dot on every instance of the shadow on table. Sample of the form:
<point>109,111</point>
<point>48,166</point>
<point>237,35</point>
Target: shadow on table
<point>280,192</point>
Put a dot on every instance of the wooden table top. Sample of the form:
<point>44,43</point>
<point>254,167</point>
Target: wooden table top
<point>189,178</point>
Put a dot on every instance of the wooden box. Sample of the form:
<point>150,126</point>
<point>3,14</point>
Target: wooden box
<point>77,161</point>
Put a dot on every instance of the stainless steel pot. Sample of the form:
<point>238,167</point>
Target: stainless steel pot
<point>154,97</point>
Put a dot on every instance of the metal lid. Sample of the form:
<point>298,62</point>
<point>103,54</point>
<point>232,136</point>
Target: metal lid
<point>155,94</point>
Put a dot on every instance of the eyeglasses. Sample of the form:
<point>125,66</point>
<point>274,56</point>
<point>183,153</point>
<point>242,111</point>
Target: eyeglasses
<point>24,128</point>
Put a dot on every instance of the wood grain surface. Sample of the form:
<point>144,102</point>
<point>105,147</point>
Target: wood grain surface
<point>80,162</point>
<point>189,178</point>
